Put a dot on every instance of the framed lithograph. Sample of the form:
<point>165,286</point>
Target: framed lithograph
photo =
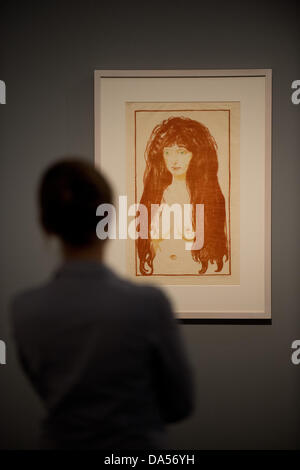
<point>188,154</point>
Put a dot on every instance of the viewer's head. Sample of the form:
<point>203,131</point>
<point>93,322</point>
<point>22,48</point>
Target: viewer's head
<point>70,192</point>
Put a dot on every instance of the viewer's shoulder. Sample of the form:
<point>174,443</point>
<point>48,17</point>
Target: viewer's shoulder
<point>26,303</point>
<point>133,287</point>
<point>149,295</point>
<point>26,296</point>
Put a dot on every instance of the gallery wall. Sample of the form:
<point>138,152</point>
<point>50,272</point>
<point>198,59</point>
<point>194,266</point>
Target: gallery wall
<point>247,387</point>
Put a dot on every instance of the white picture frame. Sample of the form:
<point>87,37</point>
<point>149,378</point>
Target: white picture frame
<point>250,299</point>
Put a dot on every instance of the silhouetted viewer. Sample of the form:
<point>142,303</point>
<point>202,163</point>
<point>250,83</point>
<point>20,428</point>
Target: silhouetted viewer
<point>104,354</point>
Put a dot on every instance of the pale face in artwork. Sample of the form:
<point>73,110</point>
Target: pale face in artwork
<point>177,159</point>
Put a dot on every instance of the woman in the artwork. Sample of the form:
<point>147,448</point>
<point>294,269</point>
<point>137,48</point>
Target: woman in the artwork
<point>181,167</point>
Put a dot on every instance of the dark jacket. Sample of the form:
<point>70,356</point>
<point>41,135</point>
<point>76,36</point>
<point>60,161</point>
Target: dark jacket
<point>105,356</point>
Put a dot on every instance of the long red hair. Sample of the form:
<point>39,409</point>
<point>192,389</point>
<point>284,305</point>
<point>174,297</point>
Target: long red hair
<point>202,183</point>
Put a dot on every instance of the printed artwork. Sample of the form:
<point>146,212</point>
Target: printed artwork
<point>183,177</point>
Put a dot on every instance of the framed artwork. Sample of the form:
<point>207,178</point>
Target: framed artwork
<point>188,153</point>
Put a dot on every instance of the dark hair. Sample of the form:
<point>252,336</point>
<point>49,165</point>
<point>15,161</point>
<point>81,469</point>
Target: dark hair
<point>69,193</point>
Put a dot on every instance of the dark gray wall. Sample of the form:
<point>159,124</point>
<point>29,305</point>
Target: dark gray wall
<point>248,390</point>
